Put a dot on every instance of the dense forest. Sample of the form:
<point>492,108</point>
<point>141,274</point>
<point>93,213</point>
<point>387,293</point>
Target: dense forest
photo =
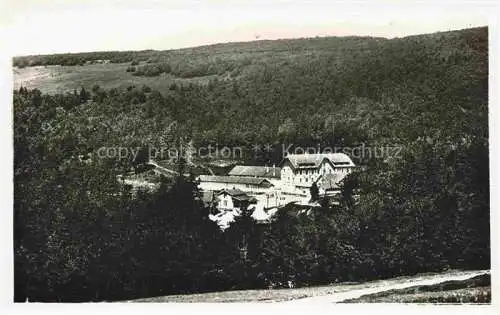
<point>79,235</point>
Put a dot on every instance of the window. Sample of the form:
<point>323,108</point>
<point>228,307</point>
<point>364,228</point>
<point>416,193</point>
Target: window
<point>224,203</point>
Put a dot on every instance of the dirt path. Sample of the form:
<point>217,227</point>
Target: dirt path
<point>392,284</point>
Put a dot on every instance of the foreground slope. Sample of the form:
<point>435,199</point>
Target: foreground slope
<point>334,293</point>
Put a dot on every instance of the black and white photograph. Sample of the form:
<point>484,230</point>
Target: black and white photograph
<point>289,153</point>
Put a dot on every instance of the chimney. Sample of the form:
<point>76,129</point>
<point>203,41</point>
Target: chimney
<point>274,169</point>
<point>267,168</point>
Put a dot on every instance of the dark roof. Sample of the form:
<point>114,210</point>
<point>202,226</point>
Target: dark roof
<point>245,198</point>
<point>238,195</point>
<point>232,192</point>
<point>233,179</point>
<point>256,171</point>
<point>315,160</point>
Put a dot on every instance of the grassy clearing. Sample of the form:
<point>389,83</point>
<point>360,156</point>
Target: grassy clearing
<point>474,290</point>
<point>231,61</point>
<point>62,79</point>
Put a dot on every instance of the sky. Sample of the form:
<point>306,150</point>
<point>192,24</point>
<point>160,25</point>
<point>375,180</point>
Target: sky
<point>57,26</point>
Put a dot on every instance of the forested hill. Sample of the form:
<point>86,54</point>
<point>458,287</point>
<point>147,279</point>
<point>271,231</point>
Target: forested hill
<point>270,91</point>
<point>296,45</point>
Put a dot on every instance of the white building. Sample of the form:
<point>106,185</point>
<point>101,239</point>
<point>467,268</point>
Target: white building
<point>229,199</point>
<point>229,204</point>
<point>302,170</point>
<point>252,185</point>
<point>271,173</point>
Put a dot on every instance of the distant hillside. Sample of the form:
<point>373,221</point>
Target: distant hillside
<point>224,49</point>
<point>59,73</point>
<point>340,90</point>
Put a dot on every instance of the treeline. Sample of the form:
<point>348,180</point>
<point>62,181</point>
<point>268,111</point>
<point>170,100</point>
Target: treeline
<point>150,70</point>
<point>200,67</point>
<point>74,59</point>
<point>197,54</point>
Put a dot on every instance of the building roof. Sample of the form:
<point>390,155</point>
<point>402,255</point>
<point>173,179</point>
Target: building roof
<point>245,198</point>
<point>232,192</point>
<point>222,163</point>
<point>238,195</point>
<point>234,179</point>
<point>256,171</point>
<point>314,160</point>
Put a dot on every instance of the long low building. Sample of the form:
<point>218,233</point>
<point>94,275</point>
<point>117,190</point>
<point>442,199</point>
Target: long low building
<point>244,183</point>
<point>256,171</point>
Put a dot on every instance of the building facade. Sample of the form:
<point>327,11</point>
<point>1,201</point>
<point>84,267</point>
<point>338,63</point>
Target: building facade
<point>252,185</point>
<point>302,170</point>
<point>229,199</point>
